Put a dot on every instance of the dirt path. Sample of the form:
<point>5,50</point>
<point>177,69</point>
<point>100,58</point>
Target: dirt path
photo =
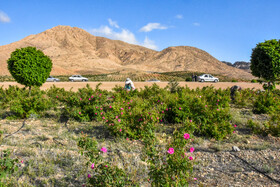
<point>109,85</point>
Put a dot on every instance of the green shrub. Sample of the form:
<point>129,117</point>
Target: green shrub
<point>265,103</point>
<point>254,81</point>
<point>29,66</point>
<point>171,165</point>
<point>8,166</point>
<point>101,173</point>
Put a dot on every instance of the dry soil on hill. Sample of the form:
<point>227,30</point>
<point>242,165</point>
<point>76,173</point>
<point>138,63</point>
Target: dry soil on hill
<point>110,85</point>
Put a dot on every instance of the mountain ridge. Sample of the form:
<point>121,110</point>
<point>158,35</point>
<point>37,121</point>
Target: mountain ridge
<point>74,51</point>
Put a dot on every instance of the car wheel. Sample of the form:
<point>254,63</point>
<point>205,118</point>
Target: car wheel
<point>215,80</point>
<point>84,80</point>
<point>72,80</point>
<point>202,80</point>
<point>54,80</point>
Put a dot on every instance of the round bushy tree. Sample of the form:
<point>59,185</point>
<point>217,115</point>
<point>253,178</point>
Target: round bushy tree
<point>265,61</point>
<point>29,66</point>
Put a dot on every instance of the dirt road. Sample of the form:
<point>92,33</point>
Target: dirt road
<point>109,85</point>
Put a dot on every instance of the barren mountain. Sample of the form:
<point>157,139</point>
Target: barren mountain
<point>75,51</point>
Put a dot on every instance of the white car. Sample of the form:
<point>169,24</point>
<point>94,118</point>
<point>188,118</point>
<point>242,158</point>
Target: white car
<point>52,79</point>
<point>77,78</point>
<point>208,78</point>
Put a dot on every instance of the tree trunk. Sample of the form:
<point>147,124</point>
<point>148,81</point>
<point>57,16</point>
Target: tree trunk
<point>29,91</point>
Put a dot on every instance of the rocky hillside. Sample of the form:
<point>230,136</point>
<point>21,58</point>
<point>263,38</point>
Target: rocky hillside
<point>73,50</point>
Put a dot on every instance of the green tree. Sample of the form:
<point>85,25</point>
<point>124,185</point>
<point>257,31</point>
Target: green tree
<point>265,62</point>
<point>29,66</point>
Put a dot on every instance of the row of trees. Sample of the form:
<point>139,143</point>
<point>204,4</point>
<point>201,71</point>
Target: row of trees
<point>31,67</point>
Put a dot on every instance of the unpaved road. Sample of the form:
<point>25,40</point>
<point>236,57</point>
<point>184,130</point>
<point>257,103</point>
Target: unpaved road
<point>109,85</point>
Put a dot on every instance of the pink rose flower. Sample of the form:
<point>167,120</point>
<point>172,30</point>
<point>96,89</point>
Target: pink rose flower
<point>191,158</point>
<point>120,130</point>
<point>170,150</point>
<point>89,176</point>
<point>92,166</point>
<point>180,108</point>
<point>79,112</point>
<point>186,136</point>
<point>191,149</point>
<point>119,120</point>
<point>103,149</point>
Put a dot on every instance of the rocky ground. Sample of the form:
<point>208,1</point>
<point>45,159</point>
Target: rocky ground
<point>50,154</point>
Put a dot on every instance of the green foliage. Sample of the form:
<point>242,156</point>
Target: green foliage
<point>266,103</point>
<point>244,98</point>
<point>29,66</point>
<point>265,60</point>
<point>8,166</point>
<point>254,81</point>
<point>171,165</point>
<point>102,173</point>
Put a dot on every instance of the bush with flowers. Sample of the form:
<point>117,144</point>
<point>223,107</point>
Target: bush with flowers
<point>171,165</point>
<point>101,173</point>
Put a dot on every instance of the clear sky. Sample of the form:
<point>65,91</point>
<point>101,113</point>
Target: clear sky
<point>227,29</point>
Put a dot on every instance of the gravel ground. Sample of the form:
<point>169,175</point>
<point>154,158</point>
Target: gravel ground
<point>109,85</point>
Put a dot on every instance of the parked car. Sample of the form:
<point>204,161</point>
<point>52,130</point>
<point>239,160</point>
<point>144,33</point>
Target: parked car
<point>208,78</point>
<point>153,80</point>
<point>52,79</point>
<point>77,78</point>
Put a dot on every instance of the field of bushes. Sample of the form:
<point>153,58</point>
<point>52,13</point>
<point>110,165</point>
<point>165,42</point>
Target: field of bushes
<point>148,137</point>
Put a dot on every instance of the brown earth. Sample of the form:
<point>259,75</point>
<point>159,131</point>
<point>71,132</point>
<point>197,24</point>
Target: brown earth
<point>110,85</point>
<point>75,51</point>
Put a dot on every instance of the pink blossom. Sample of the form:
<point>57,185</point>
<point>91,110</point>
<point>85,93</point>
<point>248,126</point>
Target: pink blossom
<point>205,105</point>
<point>89,176</point>
<point>190,120</point>
<point>127,102</point>
<point>191,149</point>
<point>101,108</point>
<point>107,120</point>
<point>233,132</point>
<point>157,117</point>
<point>121,113</point>
<point>80,99</point>
<point>167,109</point>
<point>103,149</point>
<point>110,106</point>
<point>103,117</point>
<point>117,117</point>
<point>186,136</point>
<point>21,161</point>
<point>218,109</point>
<point>120,130</point>
<point>162,111</point>
<point>95,113</point>
<point>119,120</point>
<point>195,179</point>
<point>235,125</point>
<point>218,100</point>
<point>129,107</point>
<point>96,107</point>
<point>106,166</point>
<point>170,150</point>
<point>191,158</point>
<point>56,96</point>
<point>92,166</point>
<point>101,113</point>
<point>92,96</point>
<point>79,112</point>
<point>180,108</point>
<point>89,99</point>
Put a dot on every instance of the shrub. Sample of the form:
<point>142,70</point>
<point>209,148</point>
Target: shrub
<point>171,165</point>
<point>101,173</point>
<point>29,66</point>
<point>265,103</point>
<point>8,166</point>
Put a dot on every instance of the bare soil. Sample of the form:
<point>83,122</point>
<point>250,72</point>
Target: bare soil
<point>110,85</point>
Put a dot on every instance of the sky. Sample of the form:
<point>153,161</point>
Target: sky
<point>226,29</point>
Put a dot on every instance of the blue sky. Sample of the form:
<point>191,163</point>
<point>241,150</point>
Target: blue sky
<point>227,29</point>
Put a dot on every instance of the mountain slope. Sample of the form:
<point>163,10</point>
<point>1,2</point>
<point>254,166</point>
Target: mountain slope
<point>74,50</point>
